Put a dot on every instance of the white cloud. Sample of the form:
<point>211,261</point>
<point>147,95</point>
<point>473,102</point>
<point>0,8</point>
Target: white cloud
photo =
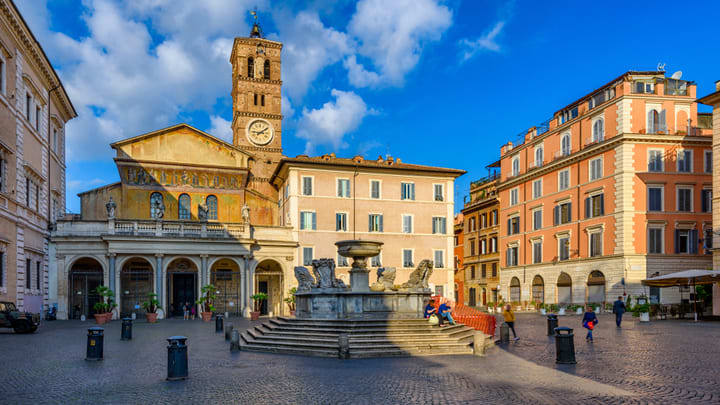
<point>330,123</point>
<point>392,34</point>
<point>486,42</point>
<point>221,128</point>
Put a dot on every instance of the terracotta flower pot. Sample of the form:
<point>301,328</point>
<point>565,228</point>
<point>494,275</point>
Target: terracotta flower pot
<point>100,319</point>
<point>108,316</point>
<point>292,312</point>
<point>151,317</point>
<point>206,316</point>
<point>254,315</point>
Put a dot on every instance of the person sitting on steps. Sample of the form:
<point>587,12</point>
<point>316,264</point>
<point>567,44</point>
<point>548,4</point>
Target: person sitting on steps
<point>444,310</point>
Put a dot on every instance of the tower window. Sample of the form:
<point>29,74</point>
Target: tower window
<point>251,68</point>
<point>266,70</point>
<point>262,100</point>
<point>255,99</point>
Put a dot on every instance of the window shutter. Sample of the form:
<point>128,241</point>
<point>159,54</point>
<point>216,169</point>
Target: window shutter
<point>569,212</point>
<point>509,232</point>
<point>412,191</point>
<point>651,124</point>
<point>662,124</point>
<point>556,214</point>
<point>370,223</point>
<point>444,226</point>
<point>302,220</point>
<point>602,204</point>
<point>677,238</point>
<point>693,235</point>
<point>314,222</point>
<point>339,188</point>
<point>381,223</point>
<point>587,208</point>
<point>507,259</point>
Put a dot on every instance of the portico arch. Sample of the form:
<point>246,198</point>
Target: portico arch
<point>538,289</point>
<point>515,290</point>
<point>269,279</point>
<point>84,276</point>
<point>183,284</point>
<point>225,275</point>
<point>564,289</point>
<point>596,287</point>
<point>136,284</point>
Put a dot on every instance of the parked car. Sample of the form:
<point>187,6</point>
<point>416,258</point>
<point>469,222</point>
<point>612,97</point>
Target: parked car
<point>21,322</point>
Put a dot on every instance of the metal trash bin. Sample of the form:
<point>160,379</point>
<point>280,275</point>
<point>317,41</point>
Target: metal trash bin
<point>95,338</point>
<point>126,331</point>
<point>177,365</point>
<point>564,345</point>
<point>504,333</point>
<point>218,323</point>
<point>552,323</point>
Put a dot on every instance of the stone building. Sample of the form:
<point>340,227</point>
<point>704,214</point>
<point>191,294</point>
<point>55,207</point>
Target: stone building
<point>614,188</point>
<point>408,207</point>
<point>481,263</point>
<point>34,109</point>
<point>458,261</point>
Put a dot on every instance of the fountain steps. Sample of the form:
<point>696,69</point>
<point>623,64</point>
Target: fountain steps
<point>371,338</point>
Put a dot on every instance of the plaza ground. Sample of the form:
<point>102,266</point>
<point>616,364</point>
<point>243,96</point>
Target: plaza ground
<point>661,362</point>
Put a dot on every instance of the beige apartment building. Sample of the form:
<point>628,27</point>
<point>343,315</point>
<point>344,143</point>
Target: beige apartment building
<point>34,109</point>
<point>408,207</point>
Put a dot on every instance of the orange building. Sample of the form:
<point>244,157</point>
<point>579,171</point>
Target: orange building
<point>612,189</point>
<point>458,260</point>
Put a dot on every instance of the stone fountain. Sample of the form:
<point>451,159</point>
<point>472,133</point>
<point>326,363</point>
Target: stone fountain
<point>326,297</point>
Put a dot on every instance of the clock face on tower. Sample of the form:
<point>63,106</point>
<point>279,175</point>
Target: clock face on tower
<point>259,132</point>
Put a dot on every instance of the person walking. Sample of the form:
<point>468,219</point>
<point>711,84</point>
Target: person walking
<point>509,317</point>
<point>186,311</point>
<point>588,322</point>
<point>619,309</point>
<point>192,312</point>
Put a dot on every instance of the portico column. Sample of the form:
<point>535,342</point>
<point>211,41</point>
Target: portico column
<point>158,278</point>
<point>243,285</point>
<point>204,280</point>
<point>111,266</point>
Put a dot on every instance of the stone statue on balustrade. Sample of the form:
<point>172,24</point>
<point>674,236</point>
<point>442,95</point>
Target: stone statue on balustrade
<point>385,279</point>
<point>324,270</point>
<point>418,280</point>
<point>111,207</point>
<point>246,213</point>
<point>304,279</point>
<point>202,212</point>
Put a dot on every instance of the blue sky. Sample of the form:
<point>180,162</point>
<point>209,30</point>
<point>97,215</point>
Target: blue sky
<point>433,82</point>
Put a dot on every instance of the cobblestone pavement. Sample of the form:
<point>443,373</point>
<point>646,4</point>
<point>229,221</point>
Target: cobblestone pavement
<point>49,367</point>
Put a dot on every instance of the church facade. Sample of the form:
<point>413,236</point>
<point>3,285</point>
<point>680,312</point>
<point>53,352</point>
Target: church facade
<point>191,209</point>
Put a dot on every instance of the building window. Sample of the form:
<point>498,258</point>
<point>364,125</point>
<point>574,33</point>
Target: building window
<point>407,224</point>
<point>28,106</point>
<point>472,272</point>
<point>595,169</point>
<point>483,270</point>
<point>471,243</point>
<point>472,224</point>
<point>439,256</point>
<point>343,188</point>
<point>513,225</point>
<point>375,261</point>
<point>2,269</point>
<point>439,225</point>
<point>251,67</point>
<point>684,199</point>
<point>565,145</point>
<point>493,244</point>
<point>706,197</point>
<point>708,161</point>
<point>655,161</point>
<point>564,248</point>
<point>562,213</point>
<point>483,246</point>
<point>212,206</point>
<point>407,191</point>
<point>655,240</point>
<point>567,115</point>
<point>307,185</point>
<point>341,221</point>
<point>596,244</point>
<point>342,261</point>
<point>656,121</point>
<point>31,194</point>
<point>308,221</point>
<point>684,161</point>
<point>156,205</point>
<point>375,223</point>
<point>494,217</point>
<point>37,118</point>
<point>655,198</point>
<point>3,84</point>
<point>375,189</point>
<point>512,256</point>
<point>595,206</point>
<point>563,180</point>
<point>598,133</point>
<point>28,273</point>
<point>537,251</point>
<point>494,270</point>
<point>2,171</point>
<point>516,166</point>
<point>686,241</point>
<point>307,256</point>
<point>262,100</point>
<point>708,240</point>
<point>184,206</point>
<point>408,258</point>
<point>537,188</point>
<point>539,158</point>
<point>438,192</point>
<point>537,219</point>
<point>38,275</point>
<point>55,140</point>
<point>514,193</point>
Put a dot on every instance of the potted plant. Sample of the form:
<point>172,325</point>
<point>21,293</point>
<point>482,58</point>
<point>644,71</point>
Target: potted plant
<point>490,307</point>
<point>103,308</point>
<point>290,300</point>
<point>207,300</point>
<point>543,308</point>
<point>257,304</point>
<point>532,306</point>
<point>150,306</point>
<point>642,311</point>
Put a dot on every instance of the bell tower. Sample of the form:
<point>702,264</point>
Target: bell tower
<point>257,116</point>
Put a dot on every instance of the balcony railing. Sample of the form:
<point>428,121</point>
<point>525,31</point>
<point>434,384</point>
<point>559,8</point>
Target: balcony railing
<point>178,229</point>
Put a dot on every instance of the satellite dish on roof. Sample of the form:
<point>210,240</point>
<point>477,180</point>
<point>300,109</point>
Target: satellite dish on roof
<point>677,75</point>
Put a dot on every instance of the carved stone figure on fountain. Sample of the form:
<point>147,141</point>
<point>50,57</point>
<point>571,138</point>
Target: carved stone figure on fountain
<point>385,280</point>
<point>304,279</point>
<point>324,270</point>
<point>419,277</point>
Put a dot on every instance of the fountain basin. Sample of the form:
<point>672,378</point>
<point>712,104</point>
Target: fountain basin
<point>352,305</point>
<point>358,248</point>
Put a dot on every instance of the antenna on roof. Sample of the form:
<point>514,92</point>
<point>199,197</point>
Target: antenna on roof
<point>677,75</point>
<point>661,67</point>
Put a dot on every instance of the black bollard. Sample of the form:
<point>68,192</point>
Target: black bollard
<point>564,345</point>
<point>504,333</point>
<point>228,330</point>
<point>235,341</point>
<point>95,343</point>
<point>126,331</point>
<point>552,323</point>
<point>218,323</point>
<point>177,367</point>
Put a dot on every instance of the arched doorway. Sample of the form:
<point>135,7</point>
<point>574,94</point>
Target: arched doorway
<point>85,275</point>
<point>538,289</point>
<point>182,281</point>
<point>564,289</point>
<point>136,284</point>
<point>225,276</point>
<point>596,287</point>
<point>269,279</point>
<point>515,290</point>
